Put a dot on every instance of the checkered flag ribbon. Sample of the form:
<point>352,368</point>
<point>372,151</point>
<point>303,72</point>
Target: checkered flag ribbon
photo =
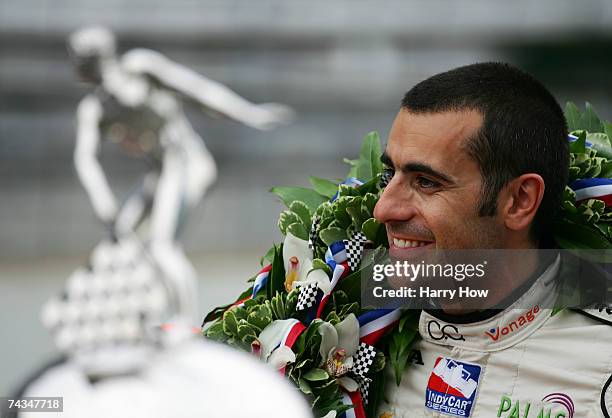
<point>307,297</point>
<point>385,179</point>
<point>354,249</point>
<point>314,231</point>
<point>364,388</point>
<point>362,362</point>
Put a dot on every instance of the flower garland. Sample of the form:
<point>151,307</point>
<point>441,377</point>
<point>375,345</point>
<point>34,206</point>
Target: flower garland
<point>302,314</point>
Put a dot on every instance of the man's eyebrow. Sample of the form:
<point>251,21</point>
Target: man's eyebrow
<point>416,167</point>
<point>386,160</point>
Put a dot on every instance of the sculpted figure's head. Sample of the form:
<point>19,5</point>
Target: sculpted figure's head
<point>477,157</point>
<point>88,48</point>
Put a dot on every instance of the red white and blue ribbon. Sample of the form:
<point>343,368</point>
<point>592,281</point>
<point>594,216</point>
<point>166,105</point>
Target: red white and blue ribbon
<point>291,336</point>
<point>336,254</point>
<point>353,399</point>
<point>292,333</point>
<point>260,281</point>
<point>375,323</point>
<point>339,272</point>
<point>595,188</point>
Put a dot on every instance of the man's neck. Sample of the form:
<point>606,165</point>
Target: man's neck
<point>511,272</point>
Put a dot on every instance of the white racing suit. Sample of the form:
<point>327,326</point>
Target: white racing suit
<point>521,362</point>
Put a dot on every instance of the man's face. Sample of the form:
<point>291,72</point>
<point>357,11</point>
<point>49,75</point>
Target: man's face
<point>432,199</point>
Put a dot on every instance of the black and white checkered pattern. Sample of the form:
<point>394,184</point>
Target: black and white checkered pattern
<point>363,359</point>
<point>314,231</point>
<point>362,362</point>
<point>354,249</point>
<point>364,388</point>
<point>385,179</point>
<point>307,297</point>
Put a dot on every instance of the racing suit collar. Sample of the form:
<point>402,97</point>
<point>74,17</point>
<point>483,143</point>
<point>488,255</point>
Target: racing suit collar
<point>497,329</point>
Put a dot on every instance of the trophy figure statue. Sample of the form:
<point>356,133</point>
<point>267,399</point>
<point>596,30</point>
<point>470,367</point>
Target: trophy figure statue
<point>118,359</point>
<point>136,104</point>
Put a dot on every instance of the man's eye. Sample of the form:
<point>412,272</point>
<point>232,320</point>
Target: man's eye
<point>425,183</point>
<point>386,177</point>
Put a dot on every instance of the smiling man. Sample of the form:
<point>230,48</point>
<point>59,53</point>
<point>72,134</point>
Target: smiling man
<point>477,158</point>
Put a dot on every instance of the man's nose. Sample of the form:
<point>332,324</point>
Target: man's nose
<point>395,204</point>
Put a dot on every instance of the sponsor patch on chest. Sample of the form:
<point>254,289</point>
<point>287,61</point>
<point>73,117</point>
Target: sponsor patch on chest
<point>452,387</point>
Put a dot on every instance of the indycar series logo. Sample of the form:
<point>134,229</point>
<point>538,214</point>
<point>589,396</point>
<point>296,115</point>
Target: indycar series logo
<point>452,387</point>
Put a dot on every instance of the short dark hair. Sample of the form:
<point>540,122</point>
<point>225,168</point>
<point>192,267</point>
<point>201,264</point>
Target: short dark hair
<point>524,130</point>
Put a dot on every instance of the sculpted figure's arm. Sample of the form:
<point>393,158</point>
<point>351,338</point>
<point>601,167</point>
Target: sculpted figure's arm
<point>86,161</point>
<point>208,93</point>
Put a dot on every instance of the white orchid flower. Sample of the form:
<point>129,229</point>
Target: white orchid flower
<point>270,341</point>
<point>315,275</point>
<point>339,344</point>
<point>297,258</point>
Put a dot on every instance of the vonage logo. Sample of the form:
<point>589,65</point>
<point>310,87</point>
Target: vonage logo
<point>527,317</point>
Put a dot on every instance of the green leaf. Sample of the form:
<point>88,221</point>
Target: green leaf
<point>316,375</point>
<point>304,386</point>
<point>260,318</point>
<point>246,332</point>
<point>291,302</point>
<point>354,211</point>
<point>369,201</point>
<point>572,116</point>
<point>288,195</point>
<point>409,319</point>
<point>277,305</point>
<point>267,259</point>
<point>399,350</point>
<point>302,211</point>
<point>276,281</point>
<point>578,146</point>
<point>342,219</point>
<point>369,158</point>
<point>298,230</point>
<point>573,236</point>
<point>331,235</point>
<point>230,325</point>
<point>285,219</point>
<point>601,143</point>
<point>215,331</point>
<point>608,129</point>
<point>353,163</point>
<point>589,120</point>
<point>370,186</point>
<point>303,363</point>
<point>333,318</point>
<point>324,187</point>
<point>370,229</point>
<point>317,263</point>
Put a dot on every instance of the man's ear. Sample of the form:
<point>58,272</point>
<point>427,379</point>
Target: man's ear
<point>521,200</point>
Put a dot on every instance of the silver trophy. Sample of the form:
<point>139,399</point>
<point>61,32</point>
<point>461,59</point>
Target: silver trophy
<point>125,322</point>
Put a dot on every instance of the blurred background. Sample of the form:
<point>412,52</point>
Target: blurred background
<point>343,65</point>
